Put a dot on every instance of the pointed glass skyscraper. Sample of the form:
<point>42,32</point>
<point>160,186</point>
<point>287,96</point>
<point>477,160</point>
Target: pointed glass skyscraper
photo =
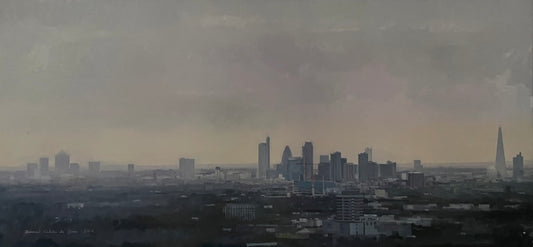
<point>500,156</point>
<point>287,154</point>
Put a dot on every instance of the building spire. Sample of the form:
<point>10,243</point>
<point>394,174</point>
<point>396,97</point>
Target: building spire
<point>500,155</point>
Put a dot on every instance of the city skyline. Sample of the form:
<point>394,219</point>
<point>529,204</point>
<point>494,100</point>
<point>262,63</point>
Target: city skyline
<point>265,147</point>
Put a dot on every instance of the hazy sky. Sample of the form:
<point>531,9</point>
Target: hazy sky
<point>151,81</point>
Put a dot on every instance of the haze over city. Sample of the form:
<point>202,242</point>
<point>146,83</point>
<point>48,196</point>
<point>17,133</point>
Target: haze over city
<point>260,123</point>
<point>149,82</point>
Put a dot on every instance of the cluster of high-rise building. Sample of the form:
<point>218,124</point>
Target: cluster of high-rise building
<point>332,167</point>
<point>62,166</point>
<point>336,168</point>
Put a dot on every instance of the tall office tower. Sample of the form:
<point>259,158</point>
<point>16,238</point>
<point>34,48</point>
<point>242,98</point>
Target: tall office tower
<point>387,170</point>
<point>283,167</point>
<point>372,170</point>
<point>43,166</point>
<point>363,167</point>
<point>368,151</point>
<point>418,165</point>
<point>344,162</point>
<point>415,179</point>
<point>62,162</point>
<point>324,168</point>
<point>31,170</point>
<point>131,170</point>
<point>336,166</point>
<point>268,152</point>
<point>263,162</point>
<point>500,156</point>
<point>287,154</point>
<point>349,171</point>
<point>324,171</point>
<point>307,156</point>
<point>350,206</point>
<point>295,169</point>
<point>186,168</point>
<point>94,168</point>
<point>75,169</point>
<point>518,166</point>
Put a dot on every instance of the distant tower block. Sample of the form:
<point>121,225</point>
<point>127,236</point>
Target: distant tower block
<point>43,166</point>
<point>368,151</point>
<point>131,170</point>
<point>31,170</point>
<point>418,165</point>
<point>324,158</point>
<point>307,155</point>
<point>186,168</point>
<point>62,162</point>
<point>518,166</point>
<point>499,165</point>
<point>263,161</point>
<point>75,169</point>
<point>364,167</point>
<point>415,179</point>
<point>94,168</point>
<point>336,166</point>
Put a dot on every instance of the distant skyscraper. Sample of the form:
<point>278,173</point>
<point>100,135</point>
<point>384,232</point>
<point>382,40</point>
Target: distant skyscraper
<point>268,152</point>
<point>187,168</point>
<point>349,171</point>
<point>31,170</point>
<point>372,170</point>
<point>94,168</point>
<point>336,166</point>
<point>364,168</point>
<point>295,169</point>
<point>324,171</point>
<point>263,163</point>
<point>75,169</point>
<point>131,170</point>
<point>418,165</point>
<point>307,156</point>
<point>415,179</point>
<point>287,154</point>
<point>500,156</point>
<point>345,172</point>
<point>62,162</point>
<point>43,166</point>
<point>368,151</point>
<point>324,168</point>
<point>518,166</point>
<point>387,170</point>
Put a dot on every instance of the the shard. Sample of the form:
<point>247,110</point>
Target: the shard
<point>500,156</point>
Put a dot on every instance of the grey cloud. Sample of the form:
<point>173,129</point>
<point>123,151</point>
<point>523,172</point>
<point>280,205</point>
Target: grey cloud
<point>244,64</point>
